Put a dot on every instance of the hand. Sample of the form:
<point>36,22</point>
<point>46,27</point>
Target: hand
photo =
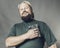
<point>33,33</point>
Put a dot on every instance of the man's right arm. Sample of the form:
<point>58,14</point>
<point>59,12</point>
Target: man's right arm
<point>15,40</point>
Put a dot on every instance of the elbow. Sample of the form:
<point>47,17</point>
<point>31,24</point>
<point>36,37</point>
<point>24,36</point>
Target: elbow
<point>53,46</point>
<point>8,43</point>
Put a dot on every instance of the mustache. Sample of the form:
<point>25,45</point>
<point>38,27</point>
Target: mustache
<point>24,12</point>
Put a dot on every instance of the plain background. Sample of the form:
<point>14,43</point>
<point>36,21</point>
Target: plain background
<point>44,10</point>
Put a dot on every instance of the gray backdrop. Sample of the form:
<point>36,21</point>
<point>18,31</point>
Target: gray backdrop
<point>44,10</point>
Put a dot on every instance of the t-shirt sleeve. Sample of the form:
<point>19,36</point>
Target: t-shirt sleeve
<point>12,31</point>
<point>48,35</point>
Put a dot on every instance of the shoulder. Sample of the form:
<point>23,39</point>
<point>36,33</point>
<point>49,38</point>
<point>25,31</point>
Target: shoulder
<point>18,24</point>
<point>40,22</point>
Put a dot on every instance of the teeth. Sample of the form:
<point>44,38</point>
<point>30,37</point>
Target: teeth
<point>25,13</point>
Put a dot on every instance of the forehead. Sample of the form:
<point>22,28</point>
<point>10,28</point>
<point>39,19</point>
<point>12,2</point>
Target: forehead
<point>22,5</point>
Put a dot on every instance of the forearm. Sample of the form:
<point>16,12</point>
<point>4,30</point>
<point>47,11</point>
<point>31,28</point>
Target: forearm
<point>12,41</point>
<point>53,46</point>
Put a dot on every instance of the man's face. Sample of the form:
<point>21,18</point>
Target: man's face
<point>24,10</point>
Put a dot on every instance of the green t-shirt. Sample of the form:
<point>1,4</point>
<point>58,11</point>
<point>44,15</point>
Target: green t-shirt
<point>45,32</point>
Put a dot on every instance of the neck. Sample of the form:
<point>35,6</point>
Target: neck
<point>29,20</point>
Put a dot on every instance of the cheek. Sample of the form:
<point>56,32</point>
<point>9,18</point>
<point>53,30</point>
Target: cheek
<point>20,12</point>
<point>28,10</point>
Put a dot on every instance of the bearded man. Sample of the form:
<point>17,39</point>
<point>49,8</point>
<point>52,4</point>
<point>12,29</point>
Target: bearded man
<point>30,33</point>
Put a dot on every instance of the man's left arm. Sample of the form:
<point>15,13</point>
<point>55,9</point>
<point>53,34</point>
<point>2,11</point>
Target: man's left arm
<point>53,46</point>
<point>49,36</point>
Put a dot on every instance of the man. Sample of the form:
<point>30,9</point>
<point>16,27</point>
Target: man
<point>30,33</point>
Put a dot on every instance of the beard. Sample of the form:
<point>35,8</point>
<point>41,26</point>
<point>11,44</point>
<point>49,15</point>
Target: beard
<point>28,18</point>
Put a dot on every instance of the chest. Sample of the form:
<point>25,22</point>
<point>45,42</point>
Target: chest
<point>23,28</point>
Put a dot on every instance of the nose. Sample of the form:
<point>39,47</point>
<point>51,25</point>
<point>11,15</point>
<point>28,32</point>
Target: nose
<point>24,9</point>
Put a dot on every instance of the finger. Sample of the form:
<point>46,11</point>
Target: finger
<point>36,33</point>
<point>35,29</point>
